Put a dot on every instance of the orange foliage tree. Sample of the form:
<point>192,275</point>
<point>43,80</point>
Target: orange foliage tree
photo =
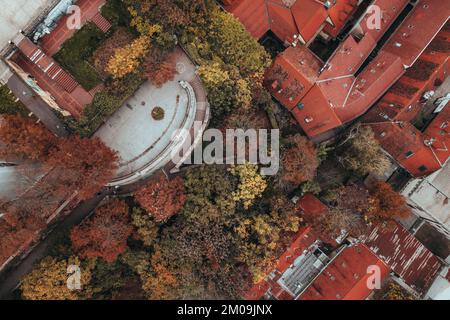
<point>386,203</point>
<point>300,160</point>
<point>160,69</point>
<point>105,234</point>
<point>84,164</point>
<point>22,137</point>
<point>17,228</point>
<point>162,198</point>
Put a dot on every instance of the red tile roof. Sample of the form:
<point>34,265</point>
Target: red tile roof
<point>51,43</point>
<point>311,209</point>
<point>406,256</point>
<point>284,80</point>
<point>287,18</point>
<point>72,102</point>
<point>346,277</point>
<point>338,96</point>
<point>45,63</point>
<point>419,153</point>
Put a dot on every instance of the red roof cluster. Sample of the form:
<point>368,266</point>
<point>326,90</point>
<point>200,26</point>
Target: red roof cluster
<point>302,241</point>
<point>305,272</point>
<point>405,255</point>
<point>324,96</point>
<point>317,275</point>
<point>292,19</point>
<point>347,276</point>
<point>420,153</point>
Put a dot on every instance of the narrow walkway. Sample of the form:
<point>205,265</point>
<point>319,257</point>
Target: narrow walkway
<point>10,279</point>
<point>27,96</point>
<point>45,63</point>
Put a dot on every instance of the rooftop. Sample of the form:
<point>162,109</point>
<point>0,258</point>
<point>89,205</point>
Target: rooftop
<point>420,153</point>
<point>292,18</point>
<point>346,277</point>
<point>295,268</point>
<point>352,80</point>
<point>19,15</point>
<point>405,255</point>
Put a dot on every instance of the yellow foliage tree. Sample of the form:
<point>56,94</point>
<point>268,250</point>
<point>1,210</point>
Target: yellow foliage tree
<point>48,281</point>
<point>251,184</point>
<point>126,60</point>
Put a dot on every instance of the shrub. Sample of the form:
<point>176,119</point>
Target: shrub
<point>8,104</point>
<point>116,12</point>
<point>77,50</point>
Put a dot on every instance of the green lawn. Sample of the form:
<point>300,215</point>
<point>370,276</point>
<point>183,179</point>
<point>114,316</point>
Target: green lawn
<point>8,104</point>
<point>75,52</point>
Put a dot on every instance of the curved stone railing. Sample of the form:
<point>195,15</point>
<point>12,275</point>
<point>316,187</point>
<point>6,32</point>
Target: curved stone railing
<point>176,144</point>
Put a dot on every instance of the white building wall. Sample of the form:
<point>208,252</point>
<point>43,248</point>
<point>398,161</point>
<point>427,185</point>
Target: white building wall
<point>440,290</point>
<point>430,198</point>
<point>17,15</point>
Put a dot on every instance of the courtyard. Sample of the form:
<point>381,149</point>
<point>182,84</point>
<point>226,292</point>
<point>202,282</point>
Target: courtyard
<point>144,143</point>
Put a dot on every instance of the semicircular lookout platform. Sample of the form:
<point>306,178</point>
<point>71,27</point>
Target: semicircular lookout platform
<point>145,142</point>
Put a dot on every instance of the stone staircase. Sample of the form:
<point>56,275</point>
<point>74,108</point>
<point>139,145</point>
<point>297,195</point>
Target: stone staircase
<point>101,22</point>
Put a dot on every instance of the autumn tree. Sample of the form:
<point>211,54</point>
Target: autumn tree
<point>202,257</point>
<point>352,198</point>
<point>337,221</point>
<point>17,229</point>
<point>299,160</point>
<point>162,198</point>
<point>161,283</point>
<point>127,59</point>
<point>209,188</point>
<point>263,236</point>
<point>120,39</point>
<point>159,68</point>
<point>146,227</point>
<point>105,234</point>
<point>107,279</point>
<point>226,35</point>
<point>387,204</point>
<point>84,165</point>
<point>22,137</point>
<point>49,279</point>
<point>172,15</point>
<point>227,91</point>
<point>251,184</point>
<point>393,291</point>
<point>362,153</point>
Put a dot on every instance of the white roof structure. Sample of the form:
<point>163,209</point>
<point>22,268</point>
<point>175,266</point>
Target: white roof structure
<point>19,15</point>
<point>432,196</point>
<point>440,290</point>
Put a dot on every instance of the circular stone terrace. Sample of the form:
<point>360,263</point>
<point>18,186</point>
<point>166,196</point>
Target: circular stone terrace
<point>145,142</point>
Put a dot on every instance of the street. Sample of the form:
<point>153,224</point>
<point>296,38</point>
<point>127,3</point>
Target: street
<point>11,278</point>
<point>40,109</point>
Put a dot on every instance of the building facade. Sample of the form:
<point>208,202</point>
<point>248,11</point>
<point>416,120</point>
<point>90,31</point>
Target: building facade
<point>429,198</point>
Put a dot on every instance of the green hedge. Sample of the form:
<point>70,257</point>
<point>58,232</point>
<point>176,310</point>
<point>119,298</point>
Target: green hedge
<point>116,12</point>
<point>77,50</point>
